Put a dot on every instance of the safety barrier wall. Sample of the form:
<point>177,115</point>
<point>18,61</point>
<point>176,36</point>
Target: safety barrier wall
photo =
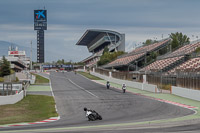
<point>150,88</point>
<point>11,99</point>
<point>32,80</point>
<point>10,78</point>
<point>187,93</point>
<point>138,85</point>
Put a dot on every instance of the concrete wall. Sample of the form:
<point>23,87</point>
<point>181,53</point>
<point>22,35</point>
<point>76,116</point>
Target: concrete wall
<point>11,99</point>
<point>138,85</point>
<point>32,80</point>
<point>10,78</point>
<point>187,93</point>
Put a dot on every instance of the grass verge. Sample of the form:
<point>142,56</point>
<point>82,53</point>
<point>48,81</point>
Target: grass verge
<point>40,79</point>
<point>31,109</point>
<point>88,75</point>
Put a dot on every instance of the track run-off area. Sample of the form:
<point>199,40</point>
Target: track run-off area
<point>121,112</point>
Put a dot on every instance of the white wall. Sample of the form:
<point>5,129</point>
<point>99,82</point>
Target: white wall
<point>138,85</point>
<point>11,99</point>
<point>187,93</point>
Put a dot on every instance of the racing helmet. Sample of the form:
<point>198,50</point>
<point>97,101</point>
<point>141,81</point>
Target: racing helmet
<point>85,109</point>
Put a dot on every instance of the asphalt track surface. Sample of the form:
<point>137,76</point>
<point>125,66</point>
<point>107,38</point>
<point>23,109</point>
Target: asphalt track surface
<point>73,92</point>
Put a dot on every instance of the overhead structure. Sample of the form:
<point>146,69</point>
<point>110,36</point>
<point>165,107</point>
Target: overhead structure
<point>96,40</point>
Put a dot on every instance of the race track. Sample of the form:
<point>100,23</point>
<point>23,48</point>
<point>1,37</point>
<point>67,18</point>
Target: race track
<point>73,92</point>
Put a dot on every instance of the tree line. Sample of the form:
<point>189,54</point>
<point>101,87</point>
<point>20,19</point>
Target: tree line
<point>4,67</point>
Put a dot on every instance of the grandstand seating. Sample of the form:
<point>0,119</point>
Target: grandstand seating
<point>162,64</point>
<point>190,65</point>
<point>124,60</point>
<point>187,49</point>
<point>168,61</point>
<point>136,54</point>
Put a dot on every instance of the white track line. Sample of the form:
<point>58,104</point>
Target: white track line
<point>78,86</point>
<point>53,95</point>
<point>83,89</point>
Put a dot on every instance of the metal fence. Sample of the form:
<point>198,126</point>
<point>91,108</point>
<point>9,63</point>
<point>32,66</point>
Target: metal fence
<point>102,71</point>
<point>9,88</point>
<point>164,81</point>
<point>189,80</point>
<point>123,75</point>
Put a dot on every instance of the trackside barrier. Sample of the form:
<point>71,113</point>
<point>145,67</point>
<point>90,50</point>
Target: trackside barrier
<point>32,80</point>
<point>187,93</point>
<point>20,93</point>
<point>11,99</point>
<point>138,85</point>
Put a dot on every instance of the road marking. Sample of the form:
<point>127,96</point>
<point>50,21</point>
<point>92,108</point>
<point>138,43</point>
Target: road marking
<point>53,95</point>
<point>78,86</point>
<point>83,89</point>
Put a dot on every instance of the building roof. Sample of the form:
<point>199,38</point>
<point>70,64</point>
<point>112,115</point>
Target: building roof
<point>91,34</point>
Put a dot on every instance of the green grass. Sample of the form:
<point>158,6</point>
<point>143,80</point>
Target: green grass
<point>89,76</point>
<point>1,79</point>
<point>40,79</point>
<point>31,109</point>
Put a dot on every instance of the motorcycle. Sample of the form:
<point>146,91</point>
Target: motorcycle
<point>93,115</point>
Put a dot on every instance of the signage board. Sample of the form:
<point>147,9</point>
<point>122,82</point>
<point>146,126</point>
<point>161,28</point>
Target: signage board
<point>40,19</point>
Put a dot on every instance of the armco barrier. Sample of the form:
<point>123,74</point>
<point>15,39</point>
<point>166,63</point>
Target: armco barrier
<point>187,93</point>
<point>11,99</point>
<point>138,85</point>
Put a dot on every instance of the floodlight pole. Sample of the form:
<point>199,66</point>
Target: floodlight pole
<point>31,58</point>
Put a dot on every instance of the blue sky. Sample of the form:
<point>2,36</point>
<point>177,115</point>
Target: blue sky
<point>69,19</point>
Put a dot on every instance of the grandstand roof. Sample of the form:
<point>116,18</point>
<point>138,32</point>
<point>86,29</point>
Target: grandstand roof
<point>91,34</point>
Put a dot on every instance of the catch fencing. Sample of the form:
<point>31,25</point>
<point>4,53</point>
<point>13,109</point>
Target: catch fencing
<point>164,81</point>
<point>189,80</point>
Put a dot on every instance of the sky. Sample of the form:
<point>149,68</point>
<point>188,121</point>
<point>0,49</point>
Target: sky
<point>69,19</point>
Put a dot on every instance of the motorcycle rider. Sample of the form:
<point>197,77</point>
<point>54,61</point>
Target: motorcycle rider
<point>108,85</point>
<point>124,87</point>
<point>89,111</point>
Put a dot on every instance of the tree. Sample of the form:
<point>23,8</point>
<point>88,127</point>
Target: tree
<point>105,50</point>
<point>149,41</point>
<point>5,67</point>
<point>178,39</point>
<point>108,57</point>
<point>197,50</point>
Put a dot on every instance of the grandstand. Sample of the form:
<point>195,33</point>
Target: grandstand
<point>163,65</point>
<point>97,40</point>
<point>192,65</point>
<point>173,60</point>
<point>137,56</point>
